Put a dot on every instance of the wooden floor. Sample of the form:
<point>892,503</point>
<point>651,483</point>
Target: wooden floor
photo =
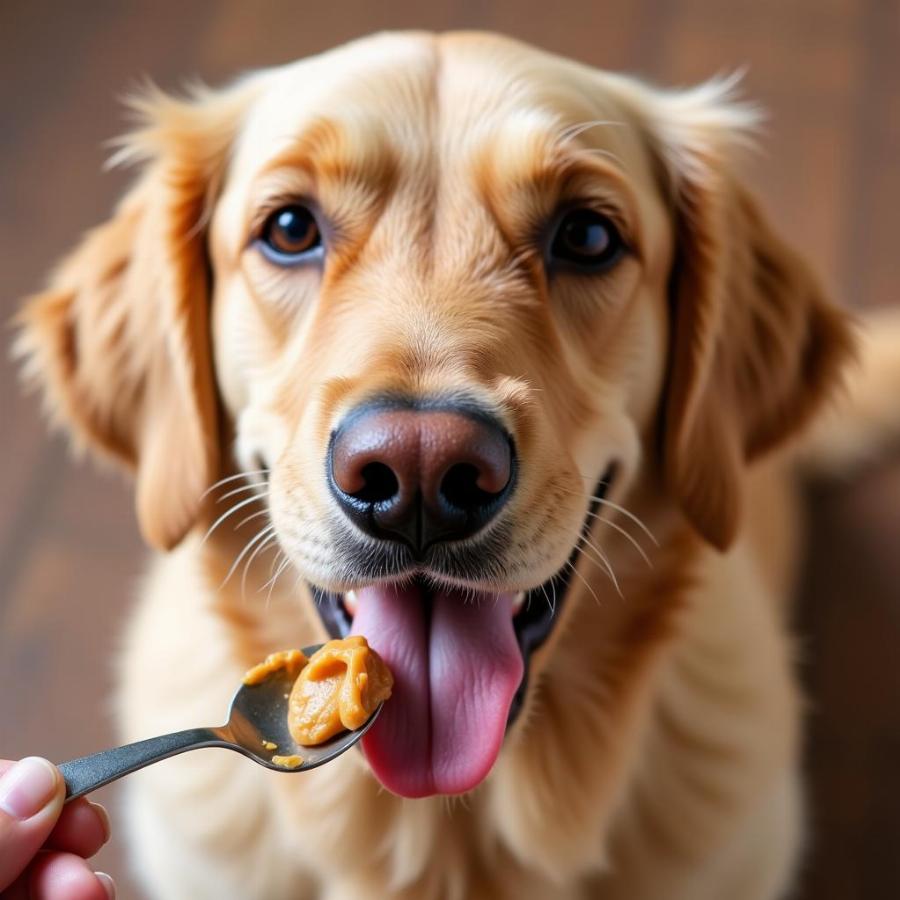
<point>828,71</point>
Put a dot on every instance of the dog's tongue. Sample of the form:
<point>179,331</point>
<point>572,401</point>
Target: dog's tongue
<point>456,667</point>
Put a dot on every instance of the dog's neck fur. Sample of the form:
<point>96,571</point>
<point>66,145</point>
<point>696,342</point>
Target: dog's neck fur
<point>588,710</point>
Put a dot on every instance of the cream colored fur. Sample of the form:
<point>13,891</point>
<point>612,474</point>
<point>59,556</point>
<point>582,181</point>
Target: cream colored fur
<point>657,754</point>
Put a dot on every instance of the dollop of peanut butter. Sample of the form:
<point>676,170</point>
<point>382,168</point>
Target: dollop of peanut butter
<point>291,660</point>
<point>338,689</point>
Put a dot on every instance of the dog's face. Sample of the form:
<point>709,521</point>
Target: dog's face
<point>431,228</point>
<point>446,296</point>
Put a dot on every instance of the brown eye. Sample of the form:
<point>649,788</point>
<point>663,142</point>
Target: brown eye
<point>587,239</point>
<point>291,235</point>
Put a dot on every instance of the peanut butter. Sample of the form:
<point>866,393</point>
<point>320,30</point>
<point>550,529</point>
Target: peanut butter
<point>288,762</point>
<point>338,689</point>
<point>291,660</point>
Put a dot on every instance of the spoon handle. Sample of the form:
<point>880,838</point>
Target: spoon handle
<point>87,773</point>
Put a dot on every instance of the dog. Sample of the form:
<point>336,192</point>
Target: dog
<point>491,357</point>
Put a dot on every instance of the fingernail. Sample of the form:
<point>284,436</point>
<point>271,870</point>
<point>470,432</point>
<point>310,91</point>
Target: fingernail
<point>108,884</point>
<point>103,816</point>
<point>27,787</point>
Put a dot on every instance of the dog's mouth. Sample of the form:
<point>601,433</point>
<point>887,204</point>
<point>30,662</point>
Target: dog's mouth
<point>460,663</point>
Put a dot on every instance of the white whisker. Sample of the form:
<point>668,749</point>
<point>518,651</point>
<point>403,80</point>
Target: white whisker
<point>550,603</point>
<point>243,489</point>
<point>259,536</point>
<point>604,561</point>
<point>268,542</point>
<point>222,481</point>
<point>246,519</point>
<point>225,515</point>
<point>622,531</point>
<point>284,564</point>
<point>610,503</point>
<point>604,502</point>
<point>584,582</point>
<point>281,568</point>
<point>275,562</point>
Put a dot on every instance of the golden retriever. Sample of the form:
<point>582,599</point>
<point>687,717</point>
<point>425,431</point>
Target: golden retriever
<point>481,353</point>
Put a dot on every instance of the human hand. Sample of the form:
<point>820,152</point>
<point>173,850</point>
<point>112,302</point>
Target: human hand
<point>44,845</point>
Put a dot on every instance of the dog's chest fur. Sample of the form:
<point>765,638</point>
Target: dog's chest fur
<point>618,731</point>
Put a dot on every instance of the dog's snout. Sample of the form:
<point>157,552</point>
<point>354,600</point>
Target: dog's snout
<point>420,475</point>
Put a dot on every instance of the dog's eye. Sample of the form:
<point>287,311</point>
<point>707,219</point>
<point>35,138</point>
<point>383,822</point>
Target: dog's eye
<point>290,235</point>
<point>587,239</point>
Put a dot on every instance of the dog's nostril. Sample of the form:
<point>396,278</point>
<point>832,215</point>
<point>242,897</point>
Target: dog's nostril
<point>380,483</point>
<point>459,487</point>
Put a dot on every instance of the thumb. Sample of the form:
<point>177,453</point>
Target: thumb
<point>32,792</point>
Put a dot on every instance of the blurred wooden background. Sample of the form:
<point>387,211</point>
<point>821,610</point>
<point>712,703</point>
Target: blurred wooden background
<point>828,71</point>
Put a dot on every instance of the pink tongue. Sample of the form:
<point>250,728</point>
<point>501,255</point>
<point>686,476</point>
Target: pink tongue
<point>454,680</point>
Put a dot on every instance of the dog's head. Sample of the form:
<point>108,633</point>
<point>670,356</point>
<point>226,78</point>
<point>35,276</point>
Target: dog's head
<point>448,296</point>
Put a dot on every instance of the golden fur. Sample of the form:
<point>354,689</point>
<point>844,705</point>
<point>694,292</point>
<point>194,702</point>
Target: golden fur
<point>657,753</point>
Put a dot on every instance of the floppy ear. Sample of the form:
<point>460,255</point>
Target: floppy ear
<point>120,342</point>
<point>756,346</point>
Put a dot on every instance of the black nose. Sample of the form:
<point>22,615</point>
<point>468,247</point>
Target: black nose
<point>420,476</point>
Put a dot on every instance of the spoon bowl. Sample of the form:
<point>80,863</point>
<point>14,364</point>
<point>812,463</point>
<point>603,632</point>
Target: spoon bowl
<point>257,727</point>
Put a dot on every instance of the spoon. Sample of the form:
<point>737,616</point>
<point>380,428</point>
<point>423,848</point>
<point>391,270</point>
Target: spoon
<point>256,727</point>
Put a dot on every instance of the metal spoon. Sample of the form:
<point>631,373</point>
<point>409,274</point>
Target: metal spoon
<point>256,727</point>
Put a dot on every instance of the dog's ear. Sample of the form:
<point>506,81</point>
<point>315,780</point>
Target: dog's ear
<point>756,346</point>
<point>120,341</point>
